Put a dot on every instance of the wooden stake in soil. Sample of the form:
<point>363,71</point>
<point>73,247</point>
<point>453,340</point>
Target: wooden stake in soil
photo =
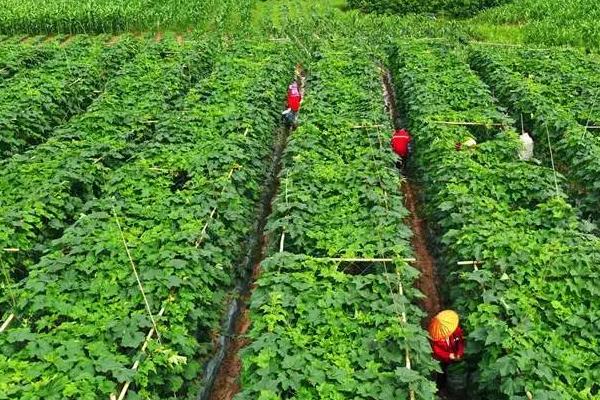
<point>473,263</point>
<point>404,321</point>
<point>214,210</point>
<point>467,123</point>
<point>136,364</point>
<point>359,260</point>
<point>367,126</point>
<point>552,159</point>
<point>281,242</point>
<point>137,277</point>
<point>529,395</point>
<point>7,322</point>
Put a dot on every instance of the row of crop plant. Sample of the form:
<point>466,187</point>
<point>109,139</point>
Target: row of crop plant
<point>15,57</point>
<point>566,77</point>
<point>45,189</point>
<point>36,101</point>
<point>529,307</point>
<point>324,328</point>
<point>557,97</point>
<point>185,202</point>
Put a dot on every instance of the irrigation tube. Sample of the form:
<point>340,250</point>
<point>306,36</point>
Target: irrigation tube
<point>253,257</point>
<point>214,365</point>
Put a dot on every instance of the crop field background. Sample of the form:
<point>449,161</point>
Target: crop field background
<point>164,235</point>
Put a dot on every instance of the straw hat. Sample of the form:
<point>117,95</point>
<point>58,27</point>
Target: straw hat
<point>443,325</point>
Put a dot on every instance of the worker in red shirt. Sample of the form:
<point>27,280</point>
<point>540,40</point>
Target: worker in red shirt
<point>402,146</point>
<point>447,341</point>
<point>294,98</point>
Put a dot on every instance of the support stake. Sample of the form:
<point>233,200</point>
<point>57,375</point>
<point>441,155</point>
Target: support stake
<point>364,259</point>
<point>473,263</point>
<point>281,242</point>
<point>465,123</point>
<point>367,126</point>
<point>137,277</point>
<point>7,322</point>
<point>404,321</point>
<point>136,364</point>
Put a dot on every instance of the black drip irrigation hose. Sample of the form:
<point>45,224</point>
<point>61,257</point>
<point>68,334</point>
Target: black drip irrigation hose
<point>256,247</point>
<point>390,97</point>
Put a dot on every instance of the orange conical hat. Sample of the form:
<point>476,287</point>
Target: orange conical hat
<point>443,325</point>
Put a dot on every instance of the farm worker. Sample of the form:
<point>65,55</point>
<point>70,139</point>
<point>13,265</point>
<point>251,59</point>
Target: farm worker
<point>294,98</point>
<point>402,146</point>
<point>470,143</point>
<point>446,336</point>
<point>526,150</point>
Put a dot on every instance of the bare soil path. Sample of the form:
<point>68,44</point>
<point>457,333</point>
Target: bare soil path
<point>428,282</point>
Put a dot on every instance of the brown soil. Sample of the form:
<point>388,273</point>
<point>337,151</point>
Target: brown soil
<point>67,40</point>
<point>114,39</point>
<point>179,38</point>
<point>24,39</point>
<point>227,383</point>
<point>48,37</point>
<point>158,37</point>
<point>428,280</point>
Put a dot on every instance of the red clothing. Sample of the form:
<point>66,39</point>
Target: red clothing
<point>400,142</point>
<point>455,343</point>
<point>294,97</point>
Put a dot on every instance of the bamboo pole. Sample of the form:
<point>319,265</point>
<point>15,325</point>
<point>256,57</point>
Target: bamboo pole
<point>7,322</point>
<point>281,242</point>
<point>12,250</point>
<point>469,263</point>
<point>552,160</point>
<point>521,46</point>
<point>404,321</point>
<point>210,217</point>
<point>136,364</point>
<point>529,395</point>
<point>214,210</point>
<point>467,123</point>
<point>473,263</point>
<point>364,259</point>
<point>367,126</point>
<point>137,277</point>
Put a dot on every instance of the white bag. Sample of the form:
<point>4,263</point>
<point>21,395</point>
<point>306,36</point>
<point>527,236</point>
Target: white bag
<point>526,150</point>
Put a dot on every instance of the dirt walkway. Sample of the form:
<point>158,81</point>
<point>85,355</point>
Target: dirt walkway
<point>428,282</point>
<point>227,381</point>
